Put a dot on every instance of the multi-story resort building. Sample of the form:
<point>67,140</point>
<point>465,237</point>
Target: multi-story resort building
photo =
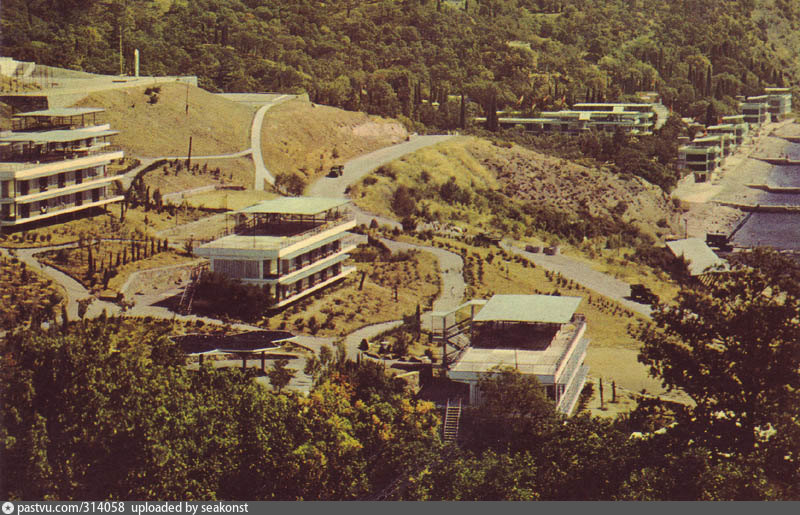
<point>756,109</point>
<point>538,335</point>
<point>702,156</point>
<point>780,102</point>
<point>291,245</point>
<point>637,119</point>
<point>741,129</point>
<point>55,163</point>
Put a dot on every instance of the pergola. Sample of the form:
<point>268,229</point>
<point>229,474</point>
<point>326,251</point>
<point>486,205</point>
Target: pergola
<point>242,345</point>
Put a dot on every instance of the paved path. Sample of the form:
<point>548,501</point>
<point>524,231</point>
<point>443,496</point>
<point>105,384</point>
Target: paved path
<point>262,174</point>
<point>584,275</point>
<point>357,168</point>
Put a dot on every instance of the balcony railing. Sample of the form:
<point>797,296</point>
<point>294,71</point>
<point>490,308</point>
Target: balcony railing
<point>293,231</point>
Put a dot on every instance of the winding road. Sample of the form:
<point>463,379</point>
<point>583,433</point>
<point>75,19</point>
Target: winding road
<point>360,166</point>
<point>584,275</point>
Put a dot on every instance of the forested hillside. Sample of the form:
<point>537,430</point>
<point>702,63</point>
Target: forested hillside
<point>389,56</point>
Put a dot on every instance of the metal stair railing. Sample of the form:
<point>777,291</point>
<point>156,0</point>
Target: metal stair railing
<point>452,416</point>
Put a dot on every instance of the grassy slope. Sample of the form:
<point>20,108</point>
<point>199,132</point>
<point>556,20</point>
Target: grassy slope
<point>216,125</point>
<point>520,174</point>
<point>297,136</point>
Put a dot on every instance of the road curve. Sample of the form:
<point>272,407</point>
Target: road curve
<point>262,174</point>
<point>357,168</point>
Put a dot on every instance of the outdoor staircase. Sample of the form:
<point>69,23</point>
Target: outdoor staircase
<point>452,415</point>
<point>185,305</point>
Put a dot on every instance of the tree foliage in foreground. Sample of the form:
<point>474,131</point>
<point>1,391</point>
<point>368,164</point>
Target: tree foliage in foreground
<point>108,411</point>
<point>734,348</point>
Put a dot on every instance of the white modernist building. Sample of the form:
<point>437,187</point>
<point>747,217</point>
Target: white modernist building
<point>54,163</point>
<point>291,245</point>
<point>539,335</point>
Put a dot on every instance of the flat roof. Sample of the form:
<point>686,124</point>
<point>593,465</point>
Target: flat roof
<point>706,139</point>
<point>253,341</point>
<point>295,205</point>
<point>63,111</point>
<point>61,136</point>
<point>698,255</point>
<point>546,309</point>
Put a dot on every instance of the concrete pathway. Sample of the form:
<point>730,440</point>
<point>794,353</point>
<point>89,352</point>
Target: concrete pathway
<point>262,174</point>
<point>357,168</point>
<point>584,275</point>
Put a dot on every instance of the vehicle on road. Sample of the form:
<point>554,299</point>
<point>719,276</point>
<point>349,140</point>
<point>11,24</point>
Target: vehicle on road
<point>643,294</point>
<point>336,171</point>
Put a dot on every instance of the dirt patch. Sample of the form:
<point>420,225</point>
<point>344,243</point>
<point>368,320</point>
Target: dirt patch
<point>310,138</point>
<point>163,127</point>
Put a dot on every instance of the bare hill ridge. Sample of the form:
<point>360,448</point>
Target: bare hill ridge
<point>163,128</point>
<point>523,175</point>
<point>298,136</point>
<point>531,176</point>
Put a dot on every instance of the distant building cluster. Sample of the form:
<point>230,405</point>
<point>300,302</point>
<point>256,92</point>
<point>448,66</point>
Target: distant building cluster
<point>707,151</point>
<point>630,118</point>
<point>54,163</point>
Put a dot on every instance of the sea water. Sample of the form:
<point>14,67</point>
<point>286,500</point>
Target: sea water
<point>778,230</point>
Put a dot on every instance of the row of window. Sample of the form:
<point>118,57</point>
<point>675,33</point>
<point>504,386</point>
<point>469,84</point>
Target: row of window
<point>283,292</point>
<point>61,180</point>
<point>54,204</point>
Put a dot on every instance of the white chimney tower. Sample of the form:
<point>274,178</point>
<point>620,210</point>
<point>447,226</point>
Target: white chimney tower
<point>136,62</point>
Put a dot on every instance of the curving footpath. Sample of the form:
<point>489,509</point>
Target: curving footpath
<point>262,174</point>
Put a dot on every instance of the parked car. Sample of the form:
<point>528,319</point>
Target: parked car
<point>336,171</point>
<point>643,294</point>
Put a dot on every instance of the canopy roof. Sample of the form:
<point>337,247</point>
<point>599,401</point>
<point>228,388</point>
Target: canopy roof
<point>56,136</point>
<point>545,309</point>
<point>62,111</point>
<point>254,341</point>
<point>698,255</point>
<point>295,205</point>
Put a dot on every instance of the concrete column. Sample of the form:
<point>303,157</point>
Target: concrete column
<point>473,393</point>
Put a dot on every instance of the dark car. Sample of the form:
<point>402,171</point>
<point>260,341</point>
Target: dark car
<point>641,293</point>
<point>336,171</point>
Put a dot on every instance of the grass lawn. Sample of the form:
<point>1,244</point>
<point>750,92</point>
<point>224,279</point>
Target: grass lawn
<point>343,308</point>
<point>174,176</point>
<point>228,199</point>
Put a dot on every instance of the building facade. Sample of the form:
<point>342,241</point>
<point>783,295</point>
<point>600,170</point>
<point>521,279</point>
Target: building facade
<point>702,156</point>
<point>635,119</point>
<point>538,335</point>
<point>293,246</point>
<point>55,163</point>
<point>779,101</point>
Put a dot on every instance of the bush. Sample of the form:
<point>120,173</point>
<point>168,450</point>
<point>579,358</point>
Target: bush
<point>218,295</point>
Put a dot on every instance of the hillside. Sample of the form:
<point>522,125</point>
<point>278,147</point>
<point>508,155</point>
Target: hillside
<point>162,128</point>
<point>474,183</point>
<point>309,138</point>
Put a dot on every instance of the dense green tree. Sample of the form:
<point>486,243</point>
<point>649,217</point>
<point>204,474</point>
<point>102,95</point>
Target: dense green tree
<point>733,348</point>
